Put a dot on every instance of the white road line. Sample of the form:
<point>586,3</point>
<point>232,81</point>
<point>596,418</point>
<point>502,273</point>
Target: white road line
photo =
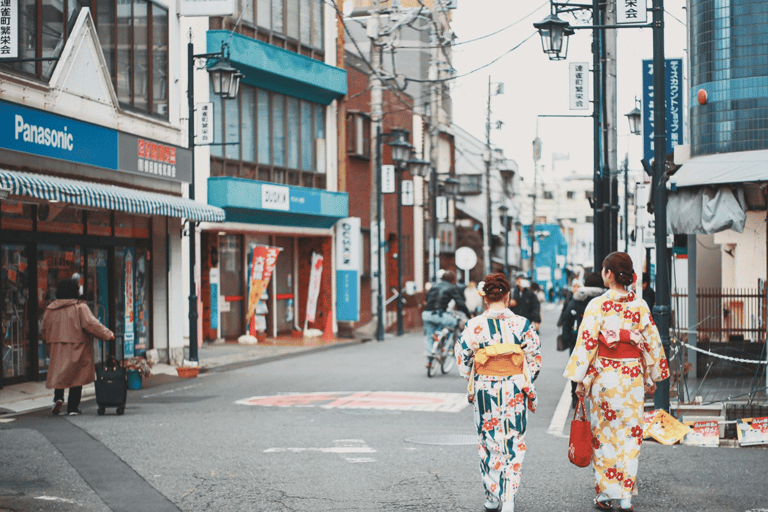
<point>343,446</point>
<point>54,498</point>
<point>557,425</point>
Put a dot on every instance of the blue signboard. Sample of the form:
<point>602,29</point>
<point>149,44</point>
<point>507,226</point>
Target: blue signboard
<point>348,263</point>
<point>673,79</point>
<point>32,131</point>
<point>347,309</point>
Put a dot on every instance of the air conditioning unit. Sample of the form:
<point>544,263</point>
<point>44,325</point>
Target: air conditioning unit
<point>162,109</point>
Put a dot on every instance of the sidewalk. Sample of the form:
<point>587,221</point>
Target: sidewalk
<point>30,396</point>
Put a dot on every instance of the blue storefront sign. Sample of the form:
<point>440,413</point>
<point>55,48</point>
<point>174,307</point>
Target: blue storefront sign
<point>673,79</point>
<point>35,132</point>
<point>348,266</point>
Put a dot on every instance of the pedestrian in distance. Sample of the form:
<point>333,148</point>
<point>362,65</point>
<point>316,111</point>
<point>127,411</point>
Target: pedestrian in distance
<point>472,299</point>
<point>67,324</point>
<point>649,296</point>
<point>436,314</point>
<point>573,313</point>
<point>498,353</point>
<point>523,301</point>
<point>617,359</point>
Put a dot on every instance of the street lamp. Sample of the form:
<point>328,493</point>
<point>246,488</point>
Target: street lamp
<point>503,209</point>
<point>634,117</point>
<point>554,36</point>
<point>548,30</point>
<point>401,156</point>
<point>225,82</point>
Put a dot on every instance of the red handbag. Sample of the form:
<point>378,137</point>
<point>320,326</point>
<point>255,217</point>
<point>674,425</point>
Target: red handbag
<point>580,441</point>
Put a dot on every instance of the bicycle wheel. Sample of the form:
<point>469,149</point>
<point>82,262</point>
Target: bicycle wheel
<point>449,357</point>
<point>433,358</point>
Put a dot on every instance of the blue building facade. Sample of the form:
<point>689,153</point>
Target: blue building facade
<point>551,251</point>
<point>729,61</point>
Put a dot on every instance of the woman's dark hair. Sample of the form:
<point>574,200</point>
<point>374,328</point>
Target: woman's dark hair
<point>67,289</point>
<point>593,280</point>
<point>621,265</point>
<point>496,287</point>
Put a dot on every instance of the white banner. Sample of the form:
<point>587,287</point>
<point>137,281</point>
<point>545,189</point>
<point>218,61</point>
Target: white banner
<point>441,204</point>
<point>314,286</point>
<point>204,123</point>
<point>387,179</point>
<point>407,193</point>
<point>578,85</point>
<point>631,11</point>
<point>9,29</point>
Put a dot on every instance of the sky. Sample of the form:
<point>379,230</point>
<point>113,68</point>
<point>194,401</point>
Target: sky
<point>534,85</point>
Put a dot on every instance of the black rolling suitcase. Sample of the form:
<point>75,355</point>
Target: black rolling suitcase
<point>111,385</point>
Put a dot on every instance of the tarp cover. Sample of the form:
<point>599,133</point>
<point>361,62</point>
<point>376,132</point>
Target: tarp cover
<point>705,210</point>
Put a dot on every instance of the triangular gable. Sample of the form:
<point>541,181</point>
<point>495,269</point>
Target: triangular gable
<point>82,70</point>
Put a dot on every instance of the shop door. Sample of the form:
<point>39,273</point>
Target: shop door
<point>231,278</point>
<point>54,263</point>
<point>14,345</point>
<point>284,281</point>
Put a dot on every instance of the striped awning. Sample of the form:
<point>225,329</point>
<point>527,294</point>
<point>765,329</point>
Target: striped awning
<point>110,197</point>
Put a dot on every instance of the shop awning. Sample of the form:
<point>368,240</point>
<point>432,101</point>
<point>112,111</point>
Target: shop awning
<point>269,67</point>
<point>722,168</point>
<point>272,204</point>
<point>110,197</point>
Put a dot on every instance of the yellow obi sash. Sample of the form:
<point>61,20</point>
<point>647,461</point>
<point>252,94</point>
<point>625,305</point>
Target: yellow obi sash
<point>500,360</point>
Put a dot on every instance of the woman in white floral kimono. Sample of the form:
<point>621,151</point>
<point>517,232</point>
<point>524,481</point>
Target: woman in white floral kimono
<point>498,353</point>
<point>618,351</point>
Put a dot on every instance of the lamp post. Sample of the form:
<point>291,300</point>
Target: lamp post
<point>225,81</point>
<point>552,32</point>
<point>503,209</point>
<point>401,153</point>
<point>633,117</point>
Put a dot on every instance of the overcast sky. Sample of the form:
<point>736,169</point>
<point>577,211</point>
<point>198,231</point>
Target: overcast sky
<point>534,85</point>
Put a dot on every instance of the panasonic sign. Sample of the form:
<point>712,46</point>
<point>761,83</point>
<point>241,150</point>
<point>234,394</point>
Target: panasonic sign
<point>42,135</point>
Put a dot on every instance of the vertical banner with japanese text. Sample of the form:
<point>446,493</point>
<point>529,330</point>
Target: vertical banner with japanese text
<point>263,263</point>
<point>578,81</point>
<point>128,335</point>
<point>9,29</point>
<point>673,78</point>
<point>349,253</point>
<point>314,286</point>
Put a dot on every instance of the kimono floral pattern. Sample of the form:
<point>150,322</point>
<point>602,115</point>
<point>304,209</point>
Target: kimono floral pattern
<point>501,403</point>
<point>615,387</point>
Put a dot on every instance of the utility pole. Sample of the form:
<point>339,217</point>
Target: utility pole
<point>611,172</point>
<point>377,223</point>
<point>532,233</point>
<point>434,138</point>
<point>488,159</point>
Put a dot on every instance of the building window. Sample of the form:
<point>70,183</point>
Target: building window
<point>296,20</point>
<point>133,36</point>
<point>570,194</point>
<point>270,137</point>
<point>358,134</point>
<point>548,194</point>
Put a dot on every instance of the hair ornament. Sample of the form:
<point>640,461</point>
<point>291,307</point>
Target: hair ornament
<point>480,287</point>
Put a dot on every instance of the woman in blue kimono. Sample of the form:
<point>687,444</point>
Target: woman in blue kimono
<point>498,353</point>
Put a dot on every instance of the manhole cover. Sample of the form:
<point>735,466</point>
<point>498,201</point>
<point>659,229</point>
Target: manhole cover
<point>443,439</point>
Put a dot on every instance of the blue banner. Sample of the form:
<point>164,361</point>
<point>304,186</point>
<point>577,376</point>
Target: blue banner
<point>346,296</point>
<point>673,80</point>
<point>32,131</point>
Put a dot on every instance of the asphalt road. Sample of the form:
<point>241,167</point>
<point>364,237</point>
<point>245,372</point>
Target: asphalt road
<point>370,433</point>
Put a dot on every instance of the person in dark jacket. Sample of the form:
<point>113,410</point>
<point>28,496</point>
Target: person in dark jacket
<point>573,312</point>
<point>436,314</point>
<point>649,296</point>
<point>524,302</point>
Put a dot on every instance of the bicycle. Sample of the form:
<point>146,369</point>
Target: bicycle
<point>444,345</point>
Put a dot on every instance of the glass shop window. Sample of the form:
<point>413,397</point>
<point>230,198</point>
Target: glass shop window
<point>15,215</point>
<point>99,223</point>
<point>59,218</point>
<point>131,226</point>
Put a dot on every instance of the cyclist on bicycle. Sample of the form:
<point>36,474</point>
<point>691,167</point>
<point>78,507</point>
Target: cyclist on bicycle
<point>436,315</point>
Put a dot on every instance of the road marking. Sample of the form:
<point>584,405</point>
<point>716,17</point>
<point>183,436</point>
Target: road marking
<point>391,400</point>
<point>174,390</point>
<point>557,425</point>
<point>54,498</point>
<point>343,447</point>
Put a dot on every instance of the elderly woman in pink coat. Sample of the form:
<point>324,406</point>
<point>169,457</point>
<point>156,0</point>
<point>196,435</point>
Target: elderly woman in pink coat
<point>67,326</point>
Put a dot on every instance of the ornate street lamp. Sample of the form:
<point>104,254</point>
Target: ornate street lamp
<point>554,34</point>
<point>634,117</point>
<point>225,82</point>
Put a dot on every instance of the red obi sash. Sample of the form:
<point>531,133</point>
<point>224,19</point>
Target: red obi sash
<point>623,349</point>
